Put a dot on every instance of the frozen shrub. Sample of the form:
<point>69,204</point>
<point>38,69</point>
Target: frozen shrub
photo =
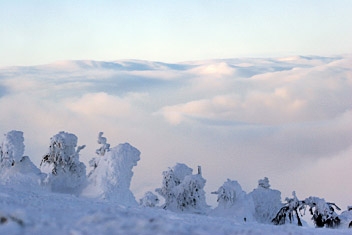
<point>65,173</point>
<point>111,178</point>
<point>149,200</point>
<point>288,212</point>
<point>323,212</point>
<point>267,202</point>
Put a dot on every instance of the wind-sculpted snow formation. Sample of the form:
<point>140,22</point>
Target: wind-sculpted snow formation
<point>111,175</point>
<point>111,179</point>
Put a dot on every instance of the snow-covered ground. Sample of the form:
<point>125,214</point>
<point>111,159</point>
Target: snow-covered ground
<point>30,211</point>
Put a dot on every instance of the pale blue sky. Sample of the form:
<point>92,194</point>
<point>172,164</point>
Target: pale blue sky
<point>38,32</point>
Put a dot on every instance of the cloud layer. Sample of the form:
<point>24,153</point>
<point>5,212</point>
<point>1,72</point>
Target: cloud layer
<point>239,118</point>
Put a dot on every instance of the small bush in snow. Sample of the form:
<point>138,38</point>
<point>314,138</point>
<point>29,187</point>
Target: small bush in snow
<point>149,200</point>
<point>65,172</point>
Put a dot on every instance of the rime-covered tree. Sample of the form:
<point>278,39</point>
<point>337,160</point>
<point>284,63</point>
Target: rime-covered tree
<point>323,212</point>
<point>104,148</point>
<point>233,202</point>
<point>228,193</point>
<point>346,218</point>
<point>182,190</point>
<point>16,169</point>
<point>111,178</point>
<point>11,148</point>
<point>171,179</point>
<point>149,200</point>
<point>267,202</point>
<point>65,173</point>
<point>289,211</point>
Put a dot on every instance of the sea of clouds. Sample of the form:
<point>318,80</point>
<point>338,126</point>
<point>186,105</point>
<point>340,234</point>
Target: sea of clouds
<point>285,118</point>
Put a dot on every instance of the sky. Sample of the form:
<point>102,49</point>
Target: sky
<point>39,32</point>
<point>270,111</point>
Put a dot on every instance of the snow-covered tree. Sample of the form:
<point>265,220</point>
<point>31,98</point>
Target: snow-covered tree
<point>105,147</point>
<point>11,148</point>
<point>171,179</point>
<point>149,200</point>
<point>234,202</point>
<point>346,218</point>
<point>286,213</point>
<point>65,173</point>
<point>111,178</point>
<point>323,212</point>
<point>16,169</point>
<point>267,202</point>
<point>183,191</point>
<point>228,193</point>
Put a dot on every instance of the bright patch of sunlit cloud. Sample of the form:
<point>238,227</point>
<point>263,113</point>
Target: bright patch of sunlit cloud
<point>100,104</point>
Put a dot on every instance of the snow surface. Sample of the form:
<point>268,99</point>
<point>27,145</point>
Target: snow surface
<point>29,211</point>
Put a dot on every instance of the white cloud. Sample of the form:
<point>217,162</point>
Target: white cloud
<point>100,104</point>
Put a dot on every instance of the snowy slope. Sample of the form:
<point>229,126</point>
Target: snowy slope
<point>39,212</point>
